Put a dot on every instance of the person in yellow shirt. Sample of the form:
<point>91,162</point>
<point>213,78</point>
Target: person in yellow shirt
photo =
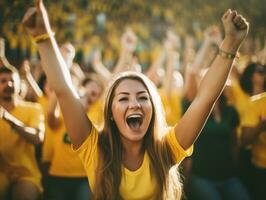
<point>251,82</point>
<point>133,156</point>
<point>67,178</point>
<point>254,132</point>
<point>21,128</point>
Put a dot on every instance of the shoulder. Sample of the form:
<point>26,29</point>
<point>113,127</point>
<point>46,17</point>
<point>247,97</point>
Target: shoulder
<point>259,98</point>
<point>29,106</point>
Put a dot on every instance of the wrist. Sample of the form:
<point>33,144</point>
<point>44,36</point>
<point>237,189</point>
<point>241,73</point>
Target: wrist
<point>42,37</point>
<point>230,45</point>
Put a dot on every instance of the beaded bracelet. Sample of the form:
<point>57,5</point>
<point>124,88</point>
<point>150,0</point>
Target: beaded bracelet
<point>42,37</point>
<point>227,55</point>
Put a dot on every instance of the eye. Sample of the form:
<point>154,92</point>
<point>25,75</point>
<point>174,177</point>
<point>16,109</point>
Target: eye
<point>144,98</point>
<point>123,99</point>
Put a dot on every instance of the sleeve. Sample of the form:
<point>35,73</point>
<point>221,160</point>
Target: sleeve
<point>88,149</point>
<point>176,149</point>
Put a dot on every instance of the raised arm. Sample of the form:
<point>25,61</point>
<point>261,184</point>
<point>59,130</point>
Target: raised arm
<point>99,67</point>
<point>32,83</point>
<point>211,86</point>
<point>212,36</point>
<point>77,123</point>
<point>128,46</point>
<point>172,59</point>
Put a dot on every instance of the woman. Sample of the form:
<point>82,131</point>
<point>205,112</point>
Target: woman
<point>133,152</point>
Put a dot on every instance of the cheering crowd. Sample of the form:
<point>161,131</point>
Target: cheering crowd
<point>189,124</point>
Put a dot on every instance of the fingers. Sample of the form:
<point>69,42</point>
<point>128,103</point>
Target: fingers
<point>240,22</point>
<point>28,19</point>
<point>226,14</point>
<point>229,15</point>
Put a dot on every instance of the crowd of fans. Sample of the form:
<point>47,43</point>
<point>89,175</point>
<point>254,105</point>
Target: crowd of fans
<point>229,159</point>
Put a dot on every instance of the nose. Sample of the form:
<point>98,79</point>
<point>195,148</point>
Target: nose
<point>134,104</point>
<point>10,83</point>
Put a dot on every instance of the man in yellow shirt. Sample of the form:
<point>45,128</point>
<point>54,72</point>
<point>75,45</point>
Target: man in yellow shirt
<point>21,128</point>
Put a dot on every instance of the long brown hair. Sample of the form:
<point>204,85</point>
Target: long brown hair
<point>109,172</point>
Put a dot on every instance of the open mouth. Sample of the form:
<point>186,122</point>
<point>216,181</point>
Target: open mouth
<point>134,121</point>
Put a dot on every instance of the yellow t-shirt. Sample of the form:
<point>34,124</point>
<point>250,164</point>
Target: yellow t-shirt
<point>238,98</point>
<point>255,112</point>
<point>65,162</point>
<point>17,155</point>
<point>47,146</point>
<point>95,114</point>
<point>132,183</point>
<point>172,106</point>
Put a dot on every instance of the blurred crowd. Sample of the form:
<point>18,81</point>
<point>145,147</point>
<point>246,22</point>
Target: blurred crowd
<point>229,157</point>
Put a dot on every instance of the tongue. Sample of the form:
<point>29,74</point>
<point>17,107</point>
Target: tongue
<point>134,124</point>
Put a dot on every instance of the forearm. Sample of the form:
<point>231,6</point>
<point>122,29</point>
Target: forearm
<point>152,71</point>
<point>201,55</point>
<point>34,85</point>
<point>124,61</point>
<point>168,80</point>
<point>32,135</point>
<point>52,111</point>
<point>55,68</point>
<point>214,81</point>
<point>102,71</point>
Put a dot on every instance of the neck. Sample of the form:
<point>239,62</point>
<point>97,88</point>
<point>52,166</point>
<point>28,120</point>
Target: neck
<point>7,104</point>
<point>257,89</point>
<point>133,148</point>
<point>133,155</point>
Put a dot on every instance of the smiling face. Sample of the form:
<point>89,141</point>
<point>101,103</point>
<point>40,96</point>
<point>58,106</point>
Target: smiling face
<point>7,88</point>
<point>132,110</point>
<point>92,92</point>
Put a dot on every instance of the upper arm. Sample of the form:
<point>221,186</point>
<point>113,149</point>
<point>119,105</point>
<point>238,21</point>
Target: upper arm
<point>75,117</point>
<point>192,122</point>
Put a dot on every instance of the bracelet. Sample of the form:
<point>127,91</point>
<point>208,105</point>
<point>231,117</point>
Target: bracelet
<point>227,55</point>
<point>43,37</point>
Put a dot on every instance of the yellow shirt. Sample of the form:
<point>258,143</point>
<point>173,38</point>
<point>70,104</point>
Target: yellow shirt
<point>172,106</point>
<point>238,98</point>
<point>255,112</point>
<point>17,155</point>
<point>47,147</point>
<point>66,162</point>
<point>138,184</point>
<point>95,114</point>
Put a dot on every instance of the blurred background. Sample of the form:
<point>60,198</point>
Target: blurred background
<point>100,23</point>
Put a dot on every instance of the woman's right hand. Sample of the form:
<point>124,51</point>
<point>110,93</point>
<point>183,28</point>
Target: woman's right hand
<point>36,20</point>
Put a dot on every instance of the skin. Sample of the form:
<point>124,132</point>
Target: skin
<point>6,88</point>
<point>92,92</point>
<point>131,97</point>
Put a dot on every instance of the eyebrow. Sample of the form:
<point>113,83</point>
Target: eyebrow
<point>127,93</point>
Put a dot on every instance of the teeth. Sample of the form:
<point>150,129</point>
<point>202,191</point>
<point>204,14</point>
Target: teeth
<point>135,116</point>
<point>134,121</point>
